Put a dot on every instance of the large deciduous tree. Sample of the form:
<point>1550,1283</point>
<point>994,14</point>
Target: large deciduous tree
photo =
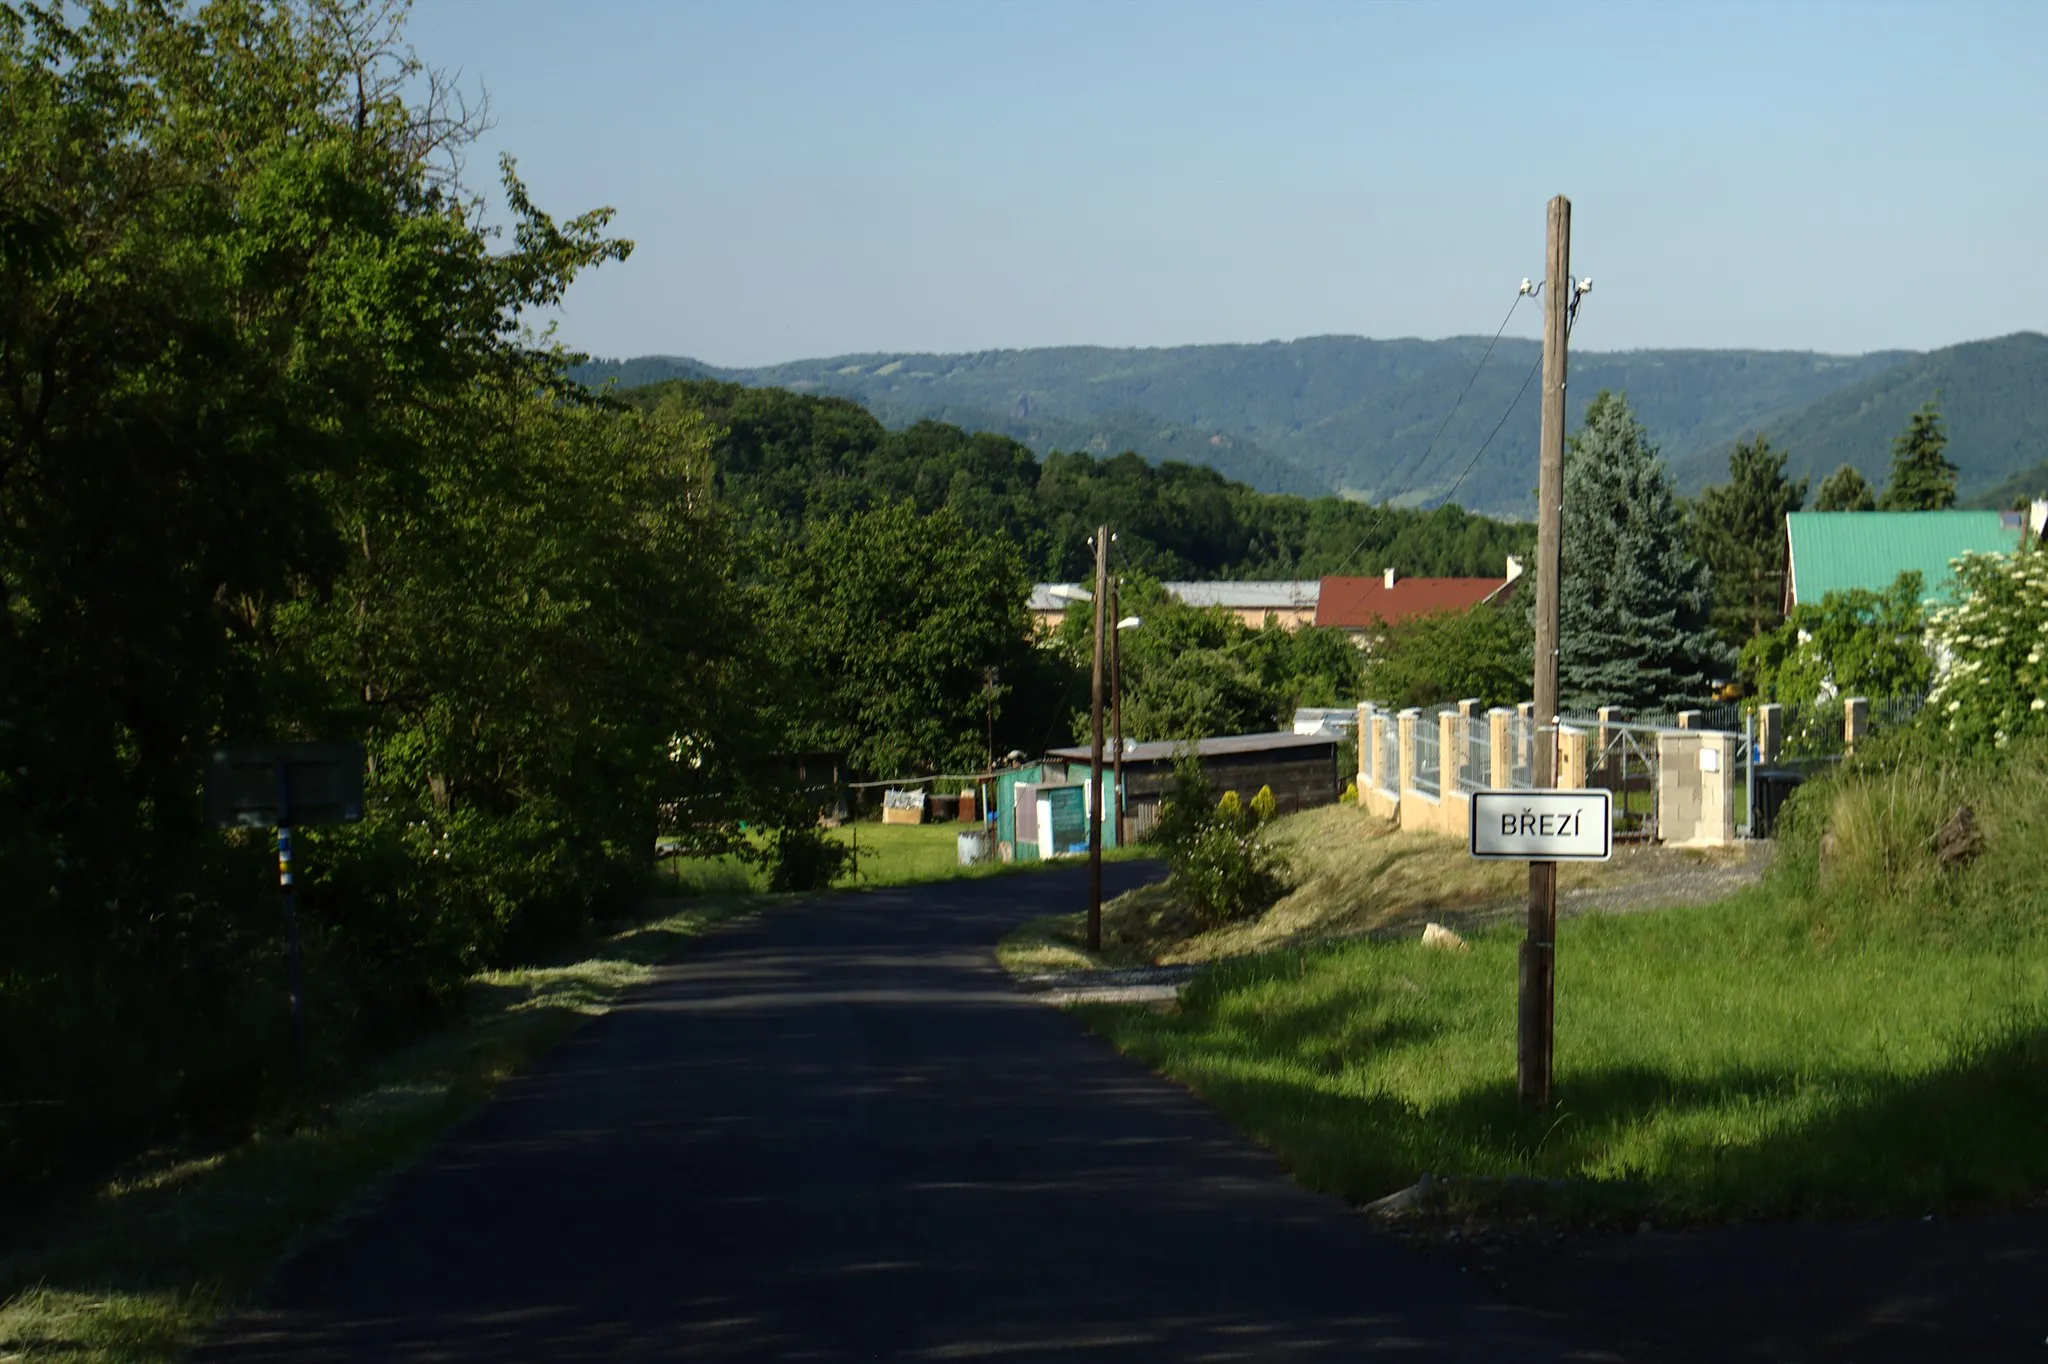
<point>280,459</point>
<point>1633,600</point>
<point>1922,478</point>
<point>883,623</point>
<point>1451,655</point>
<point>1738,527</point>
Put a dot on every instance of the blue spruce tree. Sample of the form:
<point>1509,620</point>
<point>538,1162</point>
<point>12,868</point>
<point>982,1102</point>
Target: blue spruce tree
<point>1634,604</point>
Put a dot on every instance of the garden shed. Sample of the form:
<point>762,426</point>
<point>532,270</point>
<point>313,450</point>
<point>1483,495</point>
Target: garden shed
<point>1301,769</point>
<point>1040,806</point>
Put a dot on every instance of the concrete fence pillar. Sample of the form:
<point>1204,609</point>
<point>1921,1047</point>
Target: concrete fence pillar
<point>1525,745</point>
<point>1450,749</point>
<point>1470,707</point>
<point>1405,743</point>
<point>1364,732</point>
<point>1571,757</point>
<point>1770,732</point>
<point>1691,719</point>
<point>1855,721</point>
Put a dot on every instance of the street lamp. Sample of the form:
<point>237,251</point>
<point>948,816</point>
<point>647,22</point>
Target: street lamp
<point>1116,707</point>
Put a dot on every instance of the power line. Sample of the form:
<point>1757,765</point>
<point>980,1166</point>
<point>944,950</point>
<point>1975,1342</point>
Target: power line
<point>1579,292</point>
<point>1423,463</point>
<point>1473,462</point>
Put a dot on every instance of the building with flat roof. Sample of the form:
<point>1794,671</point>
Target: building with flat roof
<point>1291,602</point>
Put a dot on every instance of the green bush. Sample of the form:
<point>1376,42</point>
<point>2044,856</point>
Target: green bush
<point>1994,688</point>
<point>1861,850</point>
<point>1222,865</point>
<point>803,857</point>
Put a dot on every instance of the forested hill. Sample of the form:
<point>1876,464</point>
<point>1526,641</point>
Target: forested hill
<point>1994,405</point>
<point>1320,415</point>
<point>786,460</point>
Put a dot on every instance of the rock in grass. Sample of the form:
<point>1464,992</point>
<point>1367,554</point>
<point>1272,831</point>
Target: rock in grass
<point>1959,840</point>
<point>1403,1201</point>
<point>1436,935</point>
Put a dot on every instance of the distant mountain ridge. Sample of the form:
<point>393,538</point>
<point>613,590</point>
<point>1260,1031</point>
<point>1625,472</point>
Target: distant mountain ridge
<point>1362,417</point>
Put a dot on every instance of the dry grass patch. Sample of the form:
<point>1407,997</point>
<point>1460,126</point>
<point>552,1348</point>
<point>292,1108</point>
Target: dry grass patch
<point>1353,874</point>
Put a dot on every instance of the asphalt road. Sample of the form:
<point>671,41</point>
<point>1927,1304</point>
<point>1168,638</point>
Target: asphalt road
<point>836,1132</point>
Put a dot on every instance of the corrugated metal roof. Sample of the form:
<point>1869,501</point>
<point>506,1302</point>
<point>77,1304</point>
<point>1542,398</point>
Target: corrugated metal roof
<point>1838,551</point>
<point>1163,750</point>
<point>1357,603</point>
<point>1269,595</point>
<point>1250,596</point>
<point>1042,598</point>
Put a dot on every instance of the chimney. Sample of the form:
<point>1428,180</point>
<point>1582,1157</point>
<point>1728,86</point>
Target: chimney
<point>1514,568</point>
<point>1390,578</point>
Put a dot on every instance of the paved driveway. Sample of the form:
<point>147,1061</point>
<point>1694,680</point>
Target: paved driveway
<point>836,1132</point>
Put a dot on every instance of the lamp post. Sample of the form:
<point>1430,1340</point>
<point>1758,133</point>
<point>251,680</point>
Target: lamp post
<point>1116,708</point>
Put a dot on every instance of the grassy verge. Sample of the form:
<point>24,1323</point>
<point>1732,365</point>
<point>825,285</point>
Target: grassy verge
<point>1866,1032</point>
<point>134,1269</point>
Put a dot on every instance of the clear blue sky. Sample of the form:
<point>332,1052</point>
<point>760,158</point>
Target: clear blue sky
<point>806,179</point>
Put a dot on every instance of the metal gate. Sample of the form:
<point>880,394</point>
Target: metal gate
<point>1627,765</point>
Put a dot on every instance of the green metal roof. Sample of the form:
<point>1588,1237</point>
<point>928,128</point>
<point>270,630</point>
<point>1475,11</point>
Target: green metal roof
<point>1837,551</point>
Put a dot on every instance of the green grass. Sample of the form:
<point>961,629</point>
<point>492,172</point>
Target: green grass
<point>133,1269</point>
<point>1866,1032</point>
<point>890,855</point>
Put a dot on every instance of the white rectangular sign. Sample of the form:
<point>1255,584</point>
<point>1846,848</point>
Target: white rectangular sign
<point>1543,826</point>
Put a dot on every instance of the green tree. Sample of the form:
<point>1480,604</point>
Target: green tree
<point>1633,601</point>
<point>247,313</point>
<point>1922,478</point>
<point>1856,643</point>
<point>882,624</point>
<point>1845,490</point>
<point>526,649</point>
<point>1738,527</point>
<point>1451,655</point>
<point>1195,672</point>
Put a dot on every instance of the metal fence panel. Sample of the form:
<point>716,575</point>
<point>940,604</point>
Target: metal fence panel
<point>1428,759</point>
<point>1475,753</point>
<point>1522,752</point>
<point>1390,756</point>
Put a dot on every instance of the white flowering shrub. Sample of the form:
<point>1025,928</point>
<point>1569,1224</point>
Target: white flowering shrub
<point>1992,686</point>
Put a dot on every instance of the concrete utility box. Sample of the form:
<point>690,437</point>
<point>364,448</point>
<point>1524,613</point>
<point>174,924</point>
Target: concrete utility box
<point>1696,788</point>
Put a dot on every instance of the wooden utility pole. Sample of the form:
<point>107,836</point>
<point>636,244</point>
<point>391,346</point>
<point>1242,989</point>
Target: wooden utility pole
<point>1116,704</point>
<point>1095,748</point>
<point>1537,1004</point>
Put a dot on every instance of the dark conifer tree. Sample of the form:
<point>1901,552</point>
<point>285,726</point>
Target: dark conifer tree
<point>1845,490</point>
<point>1634,600</point>
<point>1922,478</point>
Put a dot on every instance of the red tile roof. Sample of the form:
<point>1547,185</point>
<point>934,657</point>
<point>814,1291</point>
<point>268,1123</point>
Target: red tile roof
<point>1357,603</point>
